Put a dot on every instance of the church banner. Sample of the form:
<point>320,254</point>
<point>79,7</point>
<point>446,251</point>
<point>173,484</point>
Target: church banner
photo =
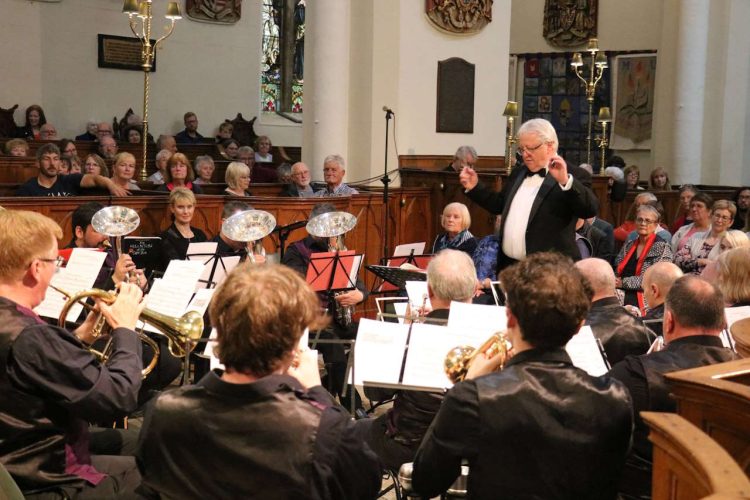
<point>634,78</point>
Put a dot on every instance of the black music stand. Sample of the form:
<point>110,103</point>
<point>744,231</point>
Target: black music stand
<point>215,259</point>
<point>395,275</point>
<point>285,232</point>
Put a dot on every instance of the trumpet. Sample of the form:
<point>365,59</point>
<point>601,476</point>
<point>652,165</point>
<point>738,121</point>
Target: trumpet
<point>459,359</point>
<point>181,332</point>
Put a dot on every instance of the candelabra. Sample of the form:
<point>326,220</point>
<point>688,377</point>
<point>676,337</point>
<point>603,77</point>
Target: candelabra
<point>511,111</point>
<point>139,18</point>
<point>604,118</point>
<point>596,71</point>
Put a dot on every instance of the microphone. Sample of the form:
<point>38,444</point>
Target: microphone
<point>388,110</point>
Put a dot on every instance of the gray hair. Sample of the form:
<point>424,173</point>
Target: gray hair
<point>651,209</point>
<point>245,149</point>
<point>451,276</point>
<point>337,159</point>
<point>199,160</point>
<point>463,151</point>
<point>161,139</point>
<point>283,169</point>
<point>541,128</point>
<point>600,275</point>
<point>164,153</point>
<point>615,173</point>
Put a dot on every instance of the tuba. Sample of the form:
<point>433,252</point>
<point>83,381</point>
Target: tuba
<point>334,226</point>
<point>182,332</point>
<point>250,227</point>
<point>459,359</point>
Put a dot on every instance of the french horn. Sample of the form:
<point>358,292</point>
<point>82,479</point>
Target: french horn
<point>250,227</point>
<point>459,359</point>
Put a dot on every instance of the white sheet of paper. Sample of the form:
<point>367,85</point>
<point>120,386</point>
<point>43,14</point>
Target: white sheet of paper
<point>585,354</point>
<point>406,249</point>
<point>183,273</point>
<point>220,273</point>
<point>201,300</point>
<point>732,315</point>
<point>379,351</point>
<point>165,298</point>
<point>214,362</point>
<point>482,319</point>
<point>417,291</point>
<point>79,274</point>
<point>400,308</point>
<point>202,251</point>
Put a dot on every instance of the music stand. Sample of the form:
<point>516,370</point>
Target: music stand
<point>215,259</point>
<point>285,232</point>
<point>416,260</point>
<point>333,271</point>
<point>395,275</point>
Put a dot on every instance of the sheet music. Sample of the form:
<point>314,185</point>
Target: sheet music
<point>201,300</point>
<point>409,249</point>
<point>184,274</point>
<point>165,298</point>
<point>583,350</point>
<point>417,290</point>
<point>356,265</point>
<point>79,274</point>
<point>482,319</point>
<point>209,351</point>
<point>221,272</point>
<point>379,351</point>
<point>202,251</point>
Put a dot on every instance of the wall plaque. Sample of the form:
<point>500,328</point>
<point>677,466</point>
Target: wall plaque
<point>455,96</point>
<point>120,52</point>
<point>459,16</point>
<point>214,11</point>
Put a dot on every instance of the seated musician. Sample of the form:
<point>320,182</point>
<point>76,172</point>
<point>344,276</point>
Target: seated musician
<point>264,428</point>
<point>178,236</point>
<point>50,384</point>
<point>227,247</point>
<point>540,428</point>
<point>395,435</point>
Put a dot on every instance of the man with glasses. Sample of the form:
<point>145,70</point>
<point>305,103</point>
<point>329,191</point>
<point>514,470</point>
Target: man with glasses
<point>540,202</point>
<point>300,185</point>
<point>465,156</point>
<point>51,385</point>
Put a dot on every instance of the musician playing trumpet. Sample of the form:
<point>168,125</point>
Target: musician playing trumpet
<point>50,384</point>
<point>540,428</point>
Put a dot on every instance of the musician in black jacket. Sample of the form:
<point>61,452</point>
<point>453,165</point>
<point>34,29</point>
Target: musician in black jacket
<point>540,428</point>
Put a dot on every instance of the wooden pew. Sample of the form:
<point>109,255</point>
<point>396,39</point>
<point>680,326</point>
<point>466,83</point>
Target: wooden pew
<point>716,399</point>
<point>741,334</point>
<point>688,464</point>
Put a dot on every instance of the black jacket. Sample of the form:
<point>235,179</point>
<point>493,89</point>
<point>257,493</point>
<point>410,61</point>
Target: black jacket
<point>620,333</point>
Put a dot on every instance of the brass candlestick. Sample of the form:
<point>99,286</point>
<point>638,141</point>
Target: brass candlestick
<point>596,71</point>
<point>511,111</point>
<point>605,117</point>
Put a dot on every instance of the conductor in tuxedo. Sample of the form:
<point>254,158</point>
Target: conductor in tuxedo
<point>540,202</point>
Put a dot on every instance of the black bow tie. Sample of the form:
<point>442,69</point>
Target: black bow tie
<point>541,172</point>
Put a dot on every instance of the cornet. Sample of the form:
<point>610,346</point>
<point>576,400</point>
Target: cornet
<point>459,359</point>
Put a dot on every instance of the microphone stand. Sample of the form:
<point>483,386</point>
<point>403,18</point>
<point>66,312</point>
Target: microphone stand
<point>386,182</point>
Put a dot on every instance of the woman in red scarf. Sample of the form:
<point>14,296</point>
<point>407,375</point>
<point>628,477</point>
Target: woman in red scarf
<point>639,254</point>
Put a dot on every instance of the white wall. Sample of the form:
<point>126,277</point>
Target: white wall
<point>21,60</point>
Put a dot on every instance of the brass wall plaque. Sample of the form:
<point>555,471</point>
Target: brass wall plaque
<point>120,52</point>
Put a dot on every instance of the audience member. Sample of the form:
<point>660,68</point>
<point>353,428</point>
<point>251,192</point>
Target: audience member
<point>190,135</point>
<point>75,164</point>
<point>204,169</point>
<point>48,132</point>
<point>742,200</point>
<point>17,147</point>
<point>166,142</point>
<point>465,156</point>
<point>620,333</point>
<point>485,257</point>
<point>659,180</point>
<point>34,120</point>
<point>49,183</point>
<point>703,247</point>
<point>51,386</point>
<point>587,167</point>
<point>178,236</point>
<point>95,165</point>
<point>632,176</point>
<point>602,246</point>
<point>123,170</point>
<point>237,177</point>
<point>228,149</point>
<point>734,276</point>
<point>693,321</point>
<point>65,165</point>
<point>133,134</point>
<point>617,188</point>
<point>225,132</point>
<point>258,173</point>
<point>502,422</point>
<point>732,239</point>
<point>162,159</point>
<point>67,147</point>
<point>108,147</point>
<point>104,129</point>
<point>637,255</point>
<point>626,230</point>
<point>456,221</point>
<point>687,191</point>
<point>700,214</point>
<point>284,173</point>
<point>334,170</point>
<point>263,149</point>
<point>657,281</point>
<point>300,184</point>
<point>179,174</point>
<point>91,132</point>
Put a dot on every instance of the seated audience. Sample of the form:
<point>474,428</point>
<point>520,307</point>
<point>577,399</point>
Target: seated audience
<point>108,147</point>
<point>65,164</point>
<point>263,149</point>
<point>639,254</point>
<point>395,435</point>
<point>300,183</point>
<point>17,147</point>
<point>51,384</point>
<point>742,200</point>
<point>465,156</point>
<point>167,142</point>
<point>657,281</point>
<point>179,174</point>
<point>237,177</point>
<point>190,135</point>
<point>204,169</point>
<point>693,321</point>
<point>133,134</point>
<point>632,176</point>
<point>267,423</point>
<point>620,333</point>
<point>626,230</point>
<point>284,173</point>
<point>75,163</point>
<point>178,236</point>
<point>225,132</point>
<point>48,132</point>
<point>485,257</point>
<point>49,182</point>
<point>683,217</point>
<point>228,149</point>
<point>123,170</point>
<point>703,247</point>
<point>617,188</point>
<point>334,170</point>
<point>34,120</point>
<point>587,167</point>
<point>456,221</point>
<point>96,165</point>
<point>601,246</point>
<point>659,180</point>
<point>67,147</point>
<point>162,159</point>
<point>700,215</point>
<point>734,276</point>
<point>732,239</point>
<point>258,173</point>
<point>91,132</point>
<point>502,423</point>
<point>104,129</point>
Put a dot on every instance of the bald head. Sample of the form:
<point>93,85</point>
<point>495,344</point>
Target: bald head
<point>693,307</point>
<point>600,275</point>
<point>658,280</point>
<point>451,275</point>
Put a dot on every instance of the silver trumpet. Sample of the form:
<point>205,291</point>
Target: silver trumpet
<point>250,227</point>
<point>334,226</point>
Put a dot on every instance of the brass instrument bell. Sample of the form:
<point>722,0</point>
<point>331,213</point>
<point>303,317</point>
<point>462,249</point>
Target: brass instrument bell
<point>459,359</point>
<point>249,226</point>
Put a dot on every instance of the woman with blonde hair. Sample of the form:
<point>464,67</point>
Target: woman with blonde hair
<point>659,180</point>
<point>178,236</point>
<point>734,276</point>
<point>732,239</point>
<point>123,170</point>
<point>456,221</point>
<point>237,178</point>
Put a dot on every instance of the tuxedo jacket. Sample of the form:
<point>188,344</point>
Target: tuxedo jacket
<point>553,214</point>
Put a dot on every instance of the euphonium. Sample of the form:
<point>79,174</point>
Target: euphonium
<point>459,359</point>
<point>181,332</point>
<point>343,313</point>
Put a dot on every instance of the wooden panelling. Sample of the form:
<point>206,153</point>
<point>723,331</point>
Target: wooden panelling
<point>439,162</point>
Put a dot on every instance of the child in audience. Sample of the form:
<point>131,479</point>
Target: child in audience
<point>226,130</point>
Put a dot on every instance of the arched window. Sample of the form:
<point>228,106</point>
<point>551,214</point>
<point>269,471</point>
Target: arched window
<point>282,71</point>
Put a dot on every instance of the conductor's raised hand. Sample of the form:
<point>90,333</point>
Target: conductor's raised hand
<point>558,169</point>
<point>468,178</point>
<point>126,309</point>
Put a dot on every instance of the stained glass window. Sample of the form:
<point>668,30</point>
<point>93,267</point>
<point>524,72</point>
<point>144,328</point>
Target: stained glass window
<point>282,70</point>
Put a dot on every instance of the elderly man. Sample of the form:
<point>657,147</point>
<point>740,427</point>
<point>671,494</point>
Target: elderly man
<point>190,135</point>
<point>540,203</point>
<point>90,134</point>
<point>620,333</point>
<point>266,423</point>
<point>166,142</point>
<point>162,158</point>
<point>395,435</point>
<point>258,173</point>
<point>108,147</point>
<point>693,321</point>
<point>104,129</point>
<point>300,185</point>
<point>465,156</point>
<point>48,182</point>
<point>51,385</point>
<point>333,173</point>
<point>540,428</point>
<point>48,132</point>
<point>657,281</point>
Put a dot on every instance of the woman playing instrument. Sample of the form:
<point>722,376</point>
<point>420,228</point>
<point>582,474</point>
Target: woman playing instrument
<point>456,221</point>
<point>179,174</point>
<point>123,170</point>
<point>176,239</point>
<point>237,177</point>
<point>701,216</point>
<point>703,247</point>
<point>639,254</point>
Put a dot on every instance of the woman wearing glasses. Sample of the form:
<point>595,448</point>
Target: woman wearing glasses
<point>703,247</point>
<point>638,254</point>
